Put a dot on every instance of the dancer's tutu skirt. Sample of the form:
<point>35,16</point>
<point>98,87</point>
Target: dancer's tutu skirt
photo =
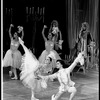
<point>29,65</point>
<point>33,83</point>
<point>45,54</point>
<point>12,58</point>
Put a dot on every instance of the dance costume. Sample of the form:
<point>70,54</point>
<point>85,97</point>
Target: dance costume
<point>63,75</point>
<point>29,68</point>
<point>13,56</point>
<point>49,48</point>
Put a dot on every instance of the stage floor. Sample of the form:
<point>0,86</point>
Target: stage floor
<point>87,88</point>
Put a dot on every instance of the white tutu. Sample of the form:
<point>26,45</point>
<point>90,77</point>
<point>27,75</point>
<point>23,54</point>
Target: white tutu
<point>45,54</point>
<point>12,58</point>
<point>29,65</point>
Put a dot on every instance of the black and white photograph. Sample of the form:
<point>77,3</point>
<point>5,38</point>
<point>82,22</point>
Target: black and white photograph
<point>50,49</point>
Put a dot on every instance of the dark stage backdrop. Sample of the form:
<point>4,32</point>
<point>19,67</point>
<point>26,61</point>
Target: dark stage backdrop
<point>15,12</point>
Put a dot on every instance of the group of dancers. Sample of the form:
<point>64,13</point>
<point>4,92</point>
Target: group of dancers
<point>33,78</point>
<point>35,73</point>
<point>13,56</point>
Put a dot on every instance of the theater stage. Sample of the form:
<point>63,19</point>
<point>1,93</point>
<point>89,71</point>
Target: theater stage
<point>87,88</point>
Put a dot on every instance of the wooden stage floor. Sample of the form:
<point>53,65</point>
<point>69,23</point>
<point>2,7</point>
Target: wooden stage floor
<point>87,88</point>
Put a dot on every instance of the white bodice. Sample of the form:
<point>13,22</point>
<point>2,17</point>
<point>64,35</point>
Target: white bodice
<point>62,76</point>
<point>14,44</point>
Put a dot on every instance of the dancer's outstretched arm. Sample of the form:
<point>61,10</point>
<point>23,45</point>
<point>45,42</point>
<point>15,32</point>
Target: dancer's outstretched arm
<point>45,39</point>
<point>11,25</point>
<point>77,59</point>
<point>53,76</point>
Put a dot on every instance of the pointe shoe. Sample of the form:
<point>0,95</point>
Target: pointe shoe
<point>32,98</point>
<point>14,78</point>
<point>36,99</point>
<point>52,98</point>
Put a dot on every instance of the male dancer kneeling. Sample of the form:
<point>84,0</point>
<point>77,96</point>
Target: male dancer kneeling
<point>63,76</point>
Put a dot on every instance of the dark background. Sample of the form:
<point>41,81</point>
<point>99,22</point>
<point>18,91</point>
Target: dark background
<point>54,10</point>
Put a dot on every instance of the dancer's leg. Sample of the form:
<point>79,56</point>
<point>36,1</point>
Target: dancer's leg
<point>33,97</point>
<point>15,73</point>
<point>13,69</point>
<point>61,90</point>
<point>55,97</point>
<point>73,91</point>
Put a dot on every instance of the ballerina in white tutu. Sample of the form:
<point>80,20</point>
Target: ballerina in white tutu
<point>13,55</point>
<point>29,70</point>
<point>63,75</point>
<point>50,61</point>
<point>49,45</point>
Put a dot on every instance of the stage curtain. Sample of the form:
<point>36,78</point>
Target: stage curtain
<point>80,11</point>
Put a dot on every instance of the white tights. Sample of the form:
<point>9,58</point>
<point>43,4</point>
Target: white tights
<point>71,90</point>
<point>33,97</point>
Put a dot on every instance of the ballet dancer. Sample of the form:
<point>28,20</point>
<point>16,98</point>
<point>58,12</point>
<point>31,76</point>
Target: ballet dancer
<point>49,47</point>
<point>30,69</point>
<point>13,55</point>
<point>47,67</point>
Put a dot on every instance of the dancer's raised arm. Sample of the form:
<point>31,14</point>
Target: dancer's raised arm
<point>11,25</point>
<point>45,39</point>
<point>79,59</point>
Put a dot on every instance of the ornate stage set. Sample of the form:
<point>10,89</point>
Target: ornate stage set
<point>73,42</point>
<point>36,14</point>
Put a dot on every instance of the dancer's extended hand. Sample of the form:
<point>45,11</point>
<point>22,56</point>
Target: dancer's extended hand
<point>80,58</point>
<point>60,42</point>
<point>45,26</point>
<point>11,25</point>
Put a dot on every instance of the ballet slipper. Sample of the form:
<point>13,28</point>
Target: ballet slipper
<point>52,98</point>
<point>36,99</point>
<point>33,98</point>
<point>14,78</point>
